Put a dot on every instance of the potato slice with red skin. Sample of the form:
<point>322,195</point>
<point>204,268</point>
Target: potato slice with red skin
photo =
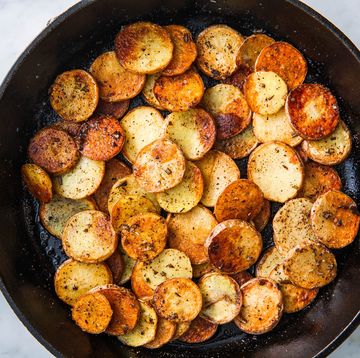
<point>148,92</point>
<point>112,109</point>
<point>269,260</point>
<point>242,277</point>
<point>200,330</point>
<point>53,150</point>
<point>165,332</point>
<point>238,78</point>
<point>335,219</point>
<point>261,220</point>
<point>116,265</point>
<point>285,60</point>
<point>181,328</point>
<point>184,50</point>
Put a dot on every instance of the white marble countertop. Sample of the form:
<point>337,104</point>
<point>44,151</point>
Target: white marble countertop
<point>20,22</point>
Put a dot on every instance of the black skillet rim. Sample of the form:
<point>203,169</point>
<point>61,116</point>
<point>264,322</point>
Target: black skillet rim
<point>344,334</point>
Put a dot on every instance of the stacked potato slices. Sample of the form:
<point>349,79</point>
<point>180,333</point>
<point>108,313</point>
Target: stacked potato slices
<point>159,225</point>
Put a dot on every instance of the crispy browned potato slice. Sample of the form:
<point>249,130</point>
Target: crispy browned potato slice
<point>229,108</point>
<point>282,164</point>
<point>81,181</point>
<point>202,269</point>
<point>265,92</point>
<point>335,219</point>
<point>89,237</point>
<point>318,180</point>
<point>142,126</point>
<point>295,298</point>
<point>159,166</point>
<point>331,150</point>
<point>73,279</point>
<point>148,91</point>
<point>269,260</point>
<point>233,246</point>
<point>189,231</point>
<point>165,332</point>
<point>178,300</point>
<point>72,128</point>
<point>179,93</point>
<point>113,109</point>
<point>115,82</point>
<point>242,277</point>
<point>129,264</point>
<point>74,95</point>
<point>221,297</point>
<point>37,181</point>
<point>116,265</point>
<point>184,50</point>
<point>310,265</point>
<point>200,330</point>
<point>144,47</point>
<point>181,328</point>
<point>217,48</point>
<point>53,150</point>
<point>92,313</point>
<point>292,225</point>
<point>238,78</point>
<point>138,283</point>
<point>114,170</point>
<point>251,48</point>
<point>261,308</point>
<point>312,110</point>
<point>218,171</point>
<point>260,220</point>
<point>242,199</point>
<point>285,60</point>
<point>125,306</point>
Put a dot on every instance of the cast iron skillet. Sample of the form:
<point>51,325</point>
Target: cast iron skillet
<point>29,256</point>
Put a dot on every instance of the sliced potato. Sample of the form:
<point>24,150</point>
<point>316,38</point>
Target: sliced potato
<point>116,265</point>
<point>331,150</point>
<point>159,166</point>
<point>143,47</point>
<point>53,150</point>
<point>165,332</point>
<point>129,264</point>
<point>69,127</point>
<point>148,91</point>
<point>179,93</point>
<point>142,126</point>
<point>229,108</point>
<point>217,47</point>
<point>138,283</point>
<point>265,92</point>
<point>74,95</point>
<point>282,164</point>
<point>181,328</point>
<point>238,78</point>
<point>200,330</point>
<point>269,260</point>
<point>115,82</point>
<point>218,171</point>
<point>202,269</point>
<point>112,109</point>
<point>335,219</point>
<point>221,298</point>
<point>73,279</point>
<point>233,246</point>
<point>261,308</point>
<point>193,131</point>
<point>260,220</point>
<point>82,181</point>
<point>89,237</point>
<point>242,277</point>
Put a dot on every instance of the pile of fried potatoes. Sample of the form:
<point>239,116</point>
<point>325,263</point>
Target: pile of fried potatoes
<point>176,218</point>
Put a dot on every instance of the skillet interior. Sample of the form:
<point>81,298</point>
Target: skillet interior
<point>29,256</point>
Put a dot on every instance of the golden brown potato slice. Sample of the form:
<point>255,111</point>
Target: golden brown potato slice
<point>202,269</point>
<point>242,277</point>
<point>165,332</point>
<point>269,260</point>
<point>181,328</point>
<point>53,150</point>
<point>89,237</point>
<point>115,82</point>
<point>285,60</point>
<point>143,47</point>
<point>72,128</point>
<point>331,150</point>
<point>218,171</point>
<point>74,95</point>
<point>335,219</point>
<point>233,246</point>
<point>179,93</point>
<point>200,330</point>
<point>282,164</point>
<point>221,298</point>
<point>238,78</point>
<point>92,313</point>
<point>148,91</point>
<point>37,181</point>
<point>193,131</point>
<point>189,231</point>
<point>260,220</point>
<point>129,264</point>
<point>261,308</point>
<point>310,265</point>
<point>229,108</point>
<point>178,300</point>
<point>73,279</point>
<point>242,199</point>
<point>112,109</point>
<point>142,126</point>
<point>81,181</point>
<point>292,225</point>
<point>312,110</point>
<point>217,48</point>
<point>116,265</point>
<point>159,166</point>
<point>265,92</point>
<point>138,283</point>
<point>275,127</point>
<point>318,180</point>
<point>184,50</point>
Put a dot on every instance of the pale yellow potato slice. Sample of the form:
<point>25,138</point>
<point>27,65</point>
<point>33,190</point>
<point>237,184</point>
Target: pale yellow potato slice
<point>269,260</point>
<point>129,264</point>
